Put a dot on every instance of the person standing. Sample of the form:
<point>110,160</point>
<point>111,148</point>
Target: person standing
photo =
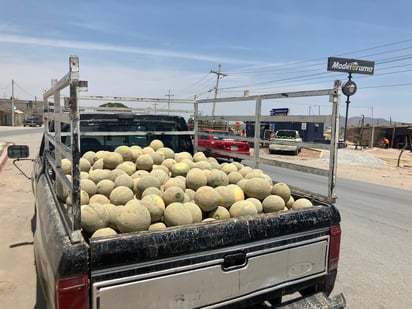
<point>385,142</point>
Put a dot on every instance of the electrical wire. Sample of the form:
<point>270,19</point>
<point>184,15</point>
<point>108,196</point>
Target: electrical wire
<point>19,87</point>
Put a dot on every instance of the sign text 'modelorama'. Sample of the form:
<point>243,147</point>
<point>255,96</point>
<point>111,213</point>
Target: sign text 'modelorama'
<point>351,65</point>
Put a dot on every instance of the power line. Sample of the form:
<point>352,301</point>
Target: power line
<point>26,92</point>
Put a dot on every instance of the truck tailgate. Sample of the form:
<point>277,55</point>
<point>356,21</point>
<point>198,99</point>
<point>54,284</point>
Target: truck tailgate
<point>228,276</point>
<point>206,263</point>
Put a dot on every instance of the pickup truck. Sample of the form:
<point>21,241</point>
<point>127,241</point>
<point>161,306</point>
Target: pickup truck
<point>244,262</point>
<point>285,141</point>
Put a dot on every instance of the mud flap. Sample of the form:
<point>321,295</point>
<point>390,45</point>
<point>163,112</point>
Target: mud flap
<point>316,301</point>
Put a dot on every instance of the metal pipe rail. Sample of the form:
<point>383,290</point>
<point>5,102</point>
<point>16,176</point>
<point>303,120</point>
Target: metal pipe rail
<point>334,97</point>
<point>55,116</point>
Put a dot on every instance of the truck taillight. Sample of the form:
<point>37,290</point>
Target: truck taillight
<point>334,247</point>
<point>72,292</point>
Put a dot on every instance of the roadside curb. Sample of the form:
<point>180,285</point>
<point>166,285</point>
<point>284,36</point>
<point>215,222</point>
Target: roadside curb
<point>319,151</point>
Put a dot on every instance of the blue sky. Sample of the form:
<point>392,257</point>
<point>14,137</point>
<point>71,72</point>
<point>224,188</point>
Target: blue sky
<point>146,48</point>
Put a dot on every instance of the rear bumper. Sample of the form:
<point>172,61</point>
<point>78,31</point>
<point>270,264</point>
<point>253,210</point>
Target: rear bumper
<point>280,148</point>
<point>316,301</point>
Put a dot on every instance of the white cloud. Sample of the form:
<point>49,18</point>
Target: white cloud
<point>14,39</point>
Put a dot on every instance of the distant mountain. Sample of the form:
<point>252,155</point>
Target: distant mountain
<point>357,121</point>
<point>367,121</point>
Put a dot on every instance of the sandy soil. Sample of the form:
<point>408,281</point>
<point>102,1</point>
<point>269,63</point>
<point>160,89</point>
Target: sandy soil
<point>379,166</point>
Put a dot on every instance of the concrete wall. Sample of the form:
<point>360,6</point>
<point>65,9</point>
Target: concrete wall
<point>23,108</point>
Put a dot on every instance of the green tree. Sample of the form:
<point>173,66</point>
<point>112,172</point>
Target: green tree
<point>114,104</point>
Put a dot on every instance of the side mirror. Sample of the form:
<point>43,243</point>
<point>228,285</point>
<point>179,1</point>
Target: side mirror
<point>18,151</point>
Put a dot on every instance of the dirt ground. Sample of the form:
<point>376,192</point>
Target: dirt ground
<point>377,165</point>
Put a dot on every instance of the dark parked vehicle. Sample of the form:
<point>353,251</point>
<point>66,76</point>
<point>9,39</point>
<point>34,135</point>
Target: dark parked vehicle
<point>32,121</point>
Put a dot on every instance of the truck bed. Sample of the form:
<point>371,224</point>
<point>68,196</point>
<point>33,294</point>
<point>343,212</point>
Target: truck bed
<point>268,252</point>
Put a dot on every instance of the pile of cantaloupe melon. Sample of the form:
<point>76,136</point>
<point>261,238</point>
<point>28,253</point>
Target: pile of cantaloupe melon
<point>150,188</point>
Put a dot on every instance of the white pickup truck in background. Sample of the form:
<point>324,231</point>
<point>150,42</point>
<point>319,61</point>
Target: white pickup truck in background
<point>286,141</point>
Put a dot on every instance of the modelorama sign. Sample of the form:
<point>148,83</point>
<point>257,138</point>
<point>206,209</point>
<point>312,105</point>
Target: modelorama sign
<point>351,65</point>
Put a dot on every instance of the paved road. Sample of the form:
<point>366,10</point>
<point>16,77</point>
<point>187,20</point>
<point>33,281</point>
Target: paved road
<point>375,268</point>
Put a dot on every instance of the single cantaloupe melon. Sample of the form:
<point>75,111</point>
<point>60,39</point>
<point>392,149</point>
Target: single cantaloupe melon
<point>157,157</point>
<point>112,159</point>
<point>175,182</point>
<point>99,198</point>
<point>84,165</point>
<point>257,203</point>
<point>242,208</point>
<point>121,195</point>
<point>258,188</point>
<point>179,169</point>
<point>203,165</point>
<point>105,187</point>
<point>99,174</point>
<point>141,184</point>
<point>66,165</point>
<point>88,185</point>
<point>207,198</point>
<point>219,213</point>
<point>282,190</point>
<point>235,177</point>
<point>195,179</point>
<point>98,164</point>
<point>160,174</point>
<point>124,180</point>
<point>199,156</point>
<point>155,205</point>
<point>196,212</point>
<point>152,190</point>
<point>157,226</point>
<point>217,178</point>
<point>144,162</point>
<point>229,195</point>
<point>156,144</point>
<point>167,152</point>
<point>290,202</point>
<point>116,172</point>
<point>133,217</point>
<point>177,214</point>
<point>302,203</point>
<point>104,232</point>
<point>125,152</point>
<point>173,194</point>
<point>90,156</point>
<point>128,167</point>
<point>94,216</point>
<point>273,203</point>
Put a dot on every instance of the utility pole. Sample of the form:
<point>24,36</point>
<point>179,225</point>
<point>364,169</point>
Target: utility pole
<point>373,131</point>
<point>12,102</point>
<point>219,74</point>
<point>168,101</point>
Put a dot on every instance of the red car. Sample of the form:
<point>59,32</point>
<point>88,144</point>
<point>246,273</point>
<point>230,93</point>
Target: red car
<point>224,141</point>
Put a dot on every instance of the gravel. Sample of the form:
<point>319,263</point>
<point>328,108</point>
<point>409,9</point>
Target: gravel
<point>354,158</point>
